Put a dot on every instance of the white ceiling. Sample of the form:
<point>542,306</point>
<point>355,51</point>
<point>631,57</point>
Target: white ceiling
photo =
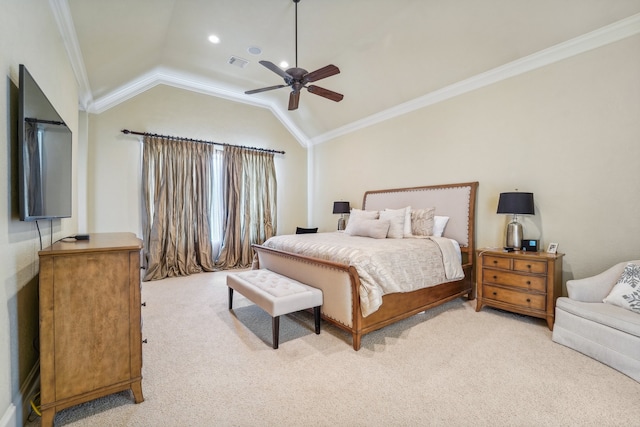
<point>394,55</point>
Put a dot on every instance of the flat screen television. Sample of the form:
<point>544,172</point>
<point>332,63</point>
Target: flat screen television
<point>44,155</point>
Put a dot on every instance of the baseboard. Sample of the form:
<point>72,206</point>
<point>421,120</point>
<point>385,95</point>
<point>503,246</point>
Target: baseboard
<point>9,417</point>
<point>27,392</point>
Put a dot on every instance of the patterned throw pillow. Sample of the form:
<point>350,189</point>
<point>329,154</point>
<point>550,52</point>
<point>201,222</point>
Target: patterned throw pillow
<point>626,293</point>
<point>422,222</point>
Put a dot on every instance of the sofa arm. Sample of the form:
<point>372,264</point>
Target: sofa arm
<point>596,288</point>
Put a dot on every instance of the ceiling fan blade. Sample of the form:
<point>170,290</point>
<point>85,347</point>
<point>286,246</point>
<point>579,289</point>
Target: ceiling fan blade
<point>273,67</point>
<point>326,93</point>
<point>321,73</point>
<point>264,89</point>
<point>294,99</point>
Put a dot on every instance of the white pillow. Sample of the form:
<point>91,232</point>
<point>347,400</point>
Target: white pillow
<point>396,218</point>
<point>360,214</point>
<point>439,223</point>
<point>626,293</point>
<point>375,228</point>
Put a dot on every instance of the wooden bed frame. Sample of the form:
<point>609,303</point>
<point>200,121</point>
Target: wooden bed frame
<point>340,283</point>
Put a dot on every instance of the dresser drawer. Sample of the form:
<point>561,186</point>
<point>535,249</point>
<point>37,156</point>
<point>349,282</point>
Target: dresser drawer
<point>518,280</point>
<point>522,299</point>
<point>528,266</point>
<point>496,262</point>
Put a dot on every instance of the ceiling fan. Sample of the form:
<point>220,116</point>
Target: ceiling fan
<point>298,78</point>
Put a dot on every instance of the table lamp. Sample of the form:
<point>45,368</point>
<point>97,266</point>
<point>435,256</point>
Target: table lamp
<point>341,208</point>
<point>515,204</point>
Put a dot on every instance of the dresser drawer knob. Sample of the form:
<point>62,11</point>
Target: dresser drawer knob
<point>528,282</point>
<point>528,299</point>
<point>495,261</point>
<point>529,266</point>
<point>495,277</point>
<point>495,293</point>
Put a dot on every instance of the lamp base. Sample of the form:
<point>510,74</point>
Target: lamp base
<point>341,223</point>
<point>514,236</point>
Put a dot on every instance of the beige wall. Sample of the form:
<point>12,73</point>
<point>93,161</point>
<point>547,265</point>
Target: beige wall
<point>114,158</point>
<point>28,35</point>
<point>569,133</point>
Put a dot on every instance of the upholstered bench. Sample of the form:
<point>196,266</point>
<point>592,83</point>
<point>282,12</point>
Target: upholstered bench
<point>275,294</point>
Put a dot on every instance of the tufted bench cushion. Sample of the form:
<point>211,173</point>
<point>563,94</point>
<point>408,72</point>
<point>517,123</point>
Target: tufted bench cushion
<point>276,294</point>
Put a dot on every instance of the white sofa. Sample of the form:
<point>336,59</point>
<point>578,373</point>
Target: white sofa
<point>603,331</point>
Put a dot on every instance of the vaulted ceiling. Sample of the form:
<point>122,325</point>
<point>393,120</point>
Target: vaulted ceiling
<point>394,55</point>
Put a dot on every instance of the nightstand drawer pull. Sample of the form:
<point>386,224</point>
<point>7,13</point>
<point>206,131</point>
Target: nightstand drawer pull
<point>495,293</point>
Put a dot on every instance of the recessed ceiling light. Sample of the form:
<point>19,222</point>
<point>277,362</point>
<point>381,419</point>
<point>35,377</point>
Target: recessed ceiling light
<point>284,64</point>
<point>214,39</point>
<point>254,50</point>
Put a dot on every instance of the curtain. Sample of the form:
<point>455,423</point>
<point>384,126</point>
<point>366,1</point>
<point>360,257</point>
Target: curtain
<point>177,181</point>
<point>250,189</point>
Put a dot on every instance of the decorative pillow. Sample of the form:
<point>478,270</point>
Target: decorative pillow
<point>422,222</point>
<point>396,218</point>
<point>376,228</point>
<point>439,224</point>
<point>626,293</point>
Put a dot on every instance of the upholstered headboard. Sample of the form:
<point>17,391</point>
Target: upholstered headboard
<point>457,201</point>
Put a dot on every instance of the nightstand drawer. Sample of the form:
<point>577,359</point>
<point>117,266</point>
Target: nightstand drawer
<point>536,302</point>
<point>528,266</point>
<point>533,283</point>
<point>497,262</point>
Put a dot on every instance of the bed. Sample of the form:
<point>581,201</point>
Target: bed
<point>346,289</point>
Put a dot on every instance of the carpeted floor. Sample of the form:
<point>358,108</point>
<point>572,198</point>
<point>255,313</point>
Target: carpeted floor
<point>207,366</point>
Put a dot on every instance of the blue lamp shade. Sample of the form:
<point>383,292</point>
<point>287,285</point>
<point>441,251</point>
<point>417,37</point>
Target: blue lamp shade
<point>516,203</point>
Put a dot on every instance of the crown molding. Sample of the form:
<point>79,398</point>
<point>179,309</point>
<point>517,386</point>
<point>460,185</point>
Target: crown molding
<point>64,20</point>
<point>611,33</point>
<point>168,77</point>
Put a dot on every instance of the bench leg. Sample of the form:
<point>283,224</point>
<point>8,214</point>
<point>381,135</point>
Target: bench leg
<point>316,316</point>
<point>230,298</point>
<point>275,322</point>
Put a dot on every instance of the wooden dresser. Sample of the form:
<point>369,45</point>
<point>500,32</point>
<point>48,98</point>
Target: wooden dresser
<point>521,282</point>
<point>90,321</point>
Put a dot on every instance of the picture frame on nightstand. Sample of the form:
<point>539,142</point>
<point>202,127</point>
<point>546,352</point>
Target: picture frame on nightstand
<point>553,248</point>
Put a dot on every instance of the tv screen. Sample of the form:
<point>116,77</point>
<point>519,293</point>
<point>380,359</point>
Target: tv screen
<point>44,151</point>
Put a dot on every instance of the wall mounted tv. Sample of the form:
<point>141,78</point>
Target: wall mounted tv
<point>44,155</point>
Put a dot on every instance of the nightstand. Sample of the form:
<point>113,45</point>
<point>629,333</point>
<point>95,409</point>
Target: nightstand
<point>520,282</point>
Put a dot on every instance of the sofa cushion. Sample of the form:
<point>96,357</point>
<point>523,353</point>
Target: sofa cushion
<point>606,314</point>
<point>626,292</point>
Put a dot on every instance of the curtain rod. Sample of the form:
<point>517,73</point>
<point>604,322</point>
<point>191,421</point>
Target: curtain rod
<point>177,138</point>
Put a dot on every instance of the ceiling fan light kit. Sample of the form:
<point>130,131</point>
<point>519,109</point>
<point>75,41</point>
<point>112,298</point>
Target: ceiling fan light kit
<point>298,78</point>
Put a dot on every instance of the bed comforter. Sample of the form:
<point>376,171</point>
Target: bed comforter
<point>384,265</point>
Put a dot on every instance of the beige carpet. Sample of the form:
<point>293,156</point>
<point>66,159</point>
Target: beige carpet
<point>451,366</point>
